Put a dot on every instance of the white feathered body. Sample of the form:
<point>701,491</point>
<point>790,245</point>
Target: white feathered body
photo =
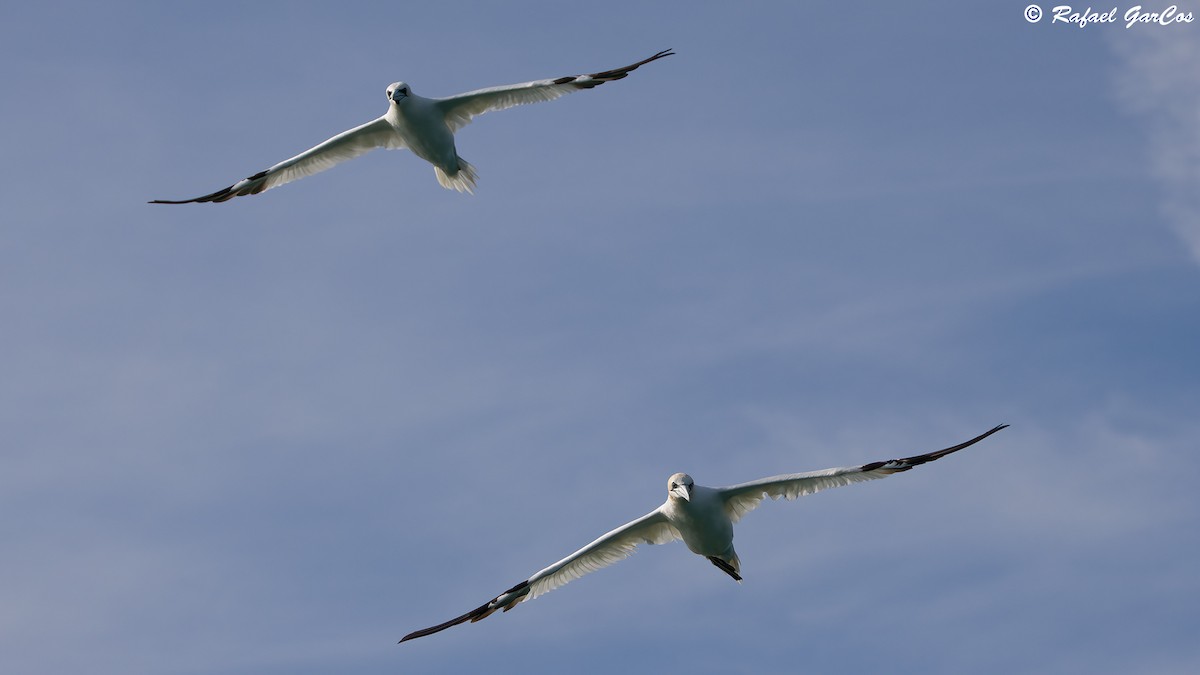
<point>421,125</point>
<point>703,524</point>
<point>422,128</point>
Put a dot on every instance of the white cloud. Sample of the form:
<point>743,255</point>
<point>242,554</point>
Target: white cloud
<point>1159,81</point>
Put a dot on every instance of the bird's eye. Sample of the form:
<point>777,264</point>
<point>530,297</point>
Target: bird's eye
<point>673,486</point>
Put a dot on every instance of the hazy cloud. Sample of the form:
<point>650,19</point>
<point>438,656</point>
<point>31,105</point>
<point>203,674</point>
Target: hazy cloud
<point>1159,81</point>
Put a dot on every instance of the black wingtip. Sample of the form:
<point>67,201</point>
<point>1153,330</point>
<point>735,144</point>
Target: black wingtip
<point>221,195</point>
<point>989,432</point>
<point>929,457</point>
<point>469,616</point>
<point>621,73</point>
<point>660,55</point>
<point>243,187</point>
<point>481,612</point>
<point>907,463</point>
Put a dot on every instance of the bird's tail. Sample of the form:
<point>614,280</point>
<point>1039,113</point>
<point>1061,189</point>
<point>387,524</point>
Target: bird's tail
<point>732,567</point>
<point>463,180</point>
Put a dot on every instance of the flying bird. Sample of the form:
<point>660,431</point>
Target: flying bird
<point>703,517</point>
<point>424,125</point>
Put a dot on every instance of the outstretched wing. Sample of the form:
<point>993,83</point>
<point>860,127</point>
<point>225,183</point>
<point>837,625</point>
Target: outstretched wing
<point>743,498</point>
<point>615,546</point>
<point>460,109</point>
<point>346,145</point>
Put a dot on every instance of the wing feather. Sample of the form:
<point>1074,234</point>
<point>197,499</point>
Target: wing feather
<point>612,547</point>
<point>745,497</point>
<point>461,109</point>
<point>346,145</point>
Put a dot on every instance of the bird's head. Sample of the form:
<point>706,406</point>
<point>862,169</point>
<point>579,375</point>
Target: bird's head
<point>679,486</point>
<point>398,91</point>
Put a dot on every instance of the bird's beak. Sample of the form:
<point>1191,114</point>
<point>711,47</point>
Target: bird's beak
<point>398,96</point>
<point>682,493</point>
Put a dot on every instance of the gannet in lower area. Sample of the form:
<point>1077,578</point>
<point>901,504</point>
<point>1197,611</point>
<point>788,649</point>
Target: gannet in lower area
<point>702,517</point>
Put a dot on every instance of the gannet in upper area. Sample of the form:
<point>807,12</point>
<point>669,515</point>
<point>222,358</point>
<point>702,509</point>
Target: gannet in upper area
<point>424,125</point>
<point>702,517</point>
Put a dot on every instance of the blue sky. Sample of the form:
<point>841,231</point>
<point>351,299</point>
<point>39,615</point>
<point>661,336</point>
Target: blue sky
<point>276,434</point>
